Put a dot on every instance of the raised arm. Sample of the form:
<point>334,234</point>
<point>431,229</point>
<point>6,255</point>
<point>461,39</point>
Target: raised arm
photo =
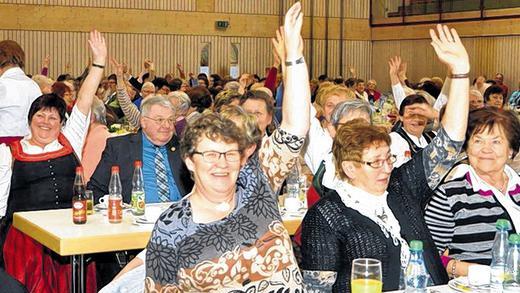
<point>397,88</point>
<point>296,99</point>
<point>451,52</point>
<point>76,127</point>
<point>129,109</point>
<point>87,92</point>
<point>442,153</point>
<point>285,144</point>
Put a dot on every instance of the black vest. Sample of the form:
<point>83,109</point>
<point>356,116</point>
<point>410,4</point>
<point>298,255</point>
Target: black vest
<point>42,185</point>
<point>428,135</point>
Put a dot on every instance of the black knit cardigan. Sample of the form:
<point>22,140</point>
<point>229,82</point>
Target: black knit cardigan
<point>333,235</point>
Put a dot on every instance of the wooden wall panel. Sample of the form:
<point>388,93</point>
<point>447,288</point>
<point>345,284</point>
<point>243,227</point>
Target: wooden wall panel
<point>69,52</point>
<point>353,8</point>
<point>183,5</point>
<point>488,55</point>
<point>356,54</point>
<point>271,7</point>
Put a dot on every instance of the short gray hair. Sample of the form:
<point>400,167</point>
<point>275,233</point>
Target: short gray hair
<point>184,101</point>
<point>345,108</point>
<point>99,112</point>
<point>232,85</point>
<point>155,100</point>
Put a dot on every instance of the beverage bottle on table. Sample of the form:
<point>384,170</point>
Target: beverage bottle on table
<point>79,201</point>
<point>292,198</point>
<point>512,275</point>
<point>416,277</point>
<point>115,198</point>
<point>138,201</point>
<point>499,254</point>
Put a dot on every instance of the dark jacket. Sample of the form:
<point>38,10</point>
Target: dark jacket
<point>124,151</point>
<point>333,235</point>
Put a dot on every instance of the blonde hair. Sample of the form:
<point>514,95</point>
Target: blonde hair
<point>326,90</point>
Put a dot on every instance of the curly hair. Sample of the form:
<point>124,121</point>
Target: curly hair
<point>214,127</point>
<point>246,122</point>
<point>352,139</point>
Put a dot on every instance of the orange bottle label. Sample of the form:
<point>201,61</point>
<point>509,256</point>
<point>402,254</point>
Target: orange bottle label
<point>79,211</point>
<point>115,210</point>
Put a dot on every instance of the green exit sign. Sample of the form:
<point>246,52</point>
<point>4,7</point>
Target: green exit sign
<point>221,24</point>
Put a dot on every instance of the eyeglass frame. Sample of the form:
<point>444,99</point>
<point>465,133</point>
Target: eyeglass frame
<point>390,160</point>
<point>220,154</point>
<point>160,121</point>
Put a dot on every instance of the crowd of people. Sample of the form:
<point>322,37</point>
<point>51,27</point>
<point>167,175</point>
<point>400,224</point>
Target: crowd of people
<point>432,161</point>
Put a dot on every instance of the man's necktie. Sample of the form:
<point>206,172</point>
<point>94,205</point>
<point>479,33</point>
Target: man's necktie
<point>163,189</point>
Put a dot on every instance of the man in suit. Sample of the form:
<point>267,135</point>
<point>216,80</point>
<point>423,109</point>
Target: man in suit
<point>165,175</point>
<point>166,178</point>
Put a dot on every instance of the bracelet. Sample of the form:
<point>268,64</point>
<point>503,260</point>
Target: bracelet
<point>463,75</point>
<point>453,267</point>
<point>300,60</point>
<point>98,66</point>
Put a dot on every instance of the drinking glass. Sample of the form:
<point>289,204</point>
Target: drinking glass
<point>366,276</point>
<point>89,195</point>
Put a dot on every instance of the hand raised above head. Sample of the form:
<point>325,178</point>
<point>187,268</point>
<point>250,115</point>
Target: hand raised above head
<point>292,31</point>
<point>279,45</point>
<point>450,49</point>
<point>394,63</point>
<point>98,47</point>
<point>119,70</point>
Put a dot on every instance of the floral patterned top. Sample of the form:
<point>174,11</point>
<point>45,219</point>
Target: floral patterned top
<point>248,251</point>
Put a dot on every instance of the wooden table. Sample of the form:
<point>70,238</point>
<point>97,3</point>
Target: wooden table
<point>55,230</point>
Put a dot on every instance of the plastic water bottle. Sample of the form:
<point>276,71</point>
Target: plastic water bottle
<point>292,201</point>
<point>416,274</point>
<point>512,275</point>
<point>499,254</point>
<point>138,197</point>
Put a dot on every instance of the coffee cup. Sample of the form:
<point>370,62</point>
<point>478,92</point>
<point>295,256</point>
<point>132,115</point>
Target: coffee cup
<point>103,201</point>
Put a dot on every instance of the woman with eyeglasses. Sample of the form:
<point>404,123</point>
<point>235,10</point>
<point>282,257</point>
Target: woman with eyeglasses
<point>227,235</point>
<point>374,211</point>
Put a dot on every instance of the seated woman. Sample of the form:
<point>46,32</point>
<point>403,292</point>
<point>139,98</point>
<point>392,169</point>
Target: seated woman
<point>231,217</point>
<point>373,212</point>
<point>462,213</point>
<point>42,168</point>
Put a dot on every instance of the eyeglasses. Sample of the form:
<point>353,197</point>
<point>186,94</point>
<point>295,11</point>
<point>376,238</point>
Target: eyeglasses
<point>379,163</point>
<point>160,121</point>
<point>213,156</point>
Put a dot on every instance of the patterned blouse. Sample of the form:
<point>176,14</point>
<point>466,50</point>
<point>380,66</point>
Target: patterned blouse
<point>247,251</point>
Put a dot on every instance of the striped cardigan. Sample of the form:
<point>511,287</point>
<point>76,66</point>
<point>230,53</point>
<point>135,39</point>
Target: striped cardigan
<point>461,218</point>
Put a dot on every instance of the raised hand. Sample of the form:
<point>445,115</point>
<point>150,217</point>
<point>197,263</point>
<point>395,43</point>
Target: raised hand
<point>402,71</point>
<point>279,46</point>
<point>119,67</point>
<point>292,32</point>
<point>46,61</point>
<point>393,64</point>
<point>450,49</point>
<point>98,47</point>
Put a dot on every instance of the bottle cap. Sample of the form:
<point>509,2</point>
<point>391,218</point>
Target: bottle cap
<point>79,169</point>
<point>503,224</point>
<point>138,163</point>
<point>514,239</point>
<point>115,169</point>
<point>416,245</point>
